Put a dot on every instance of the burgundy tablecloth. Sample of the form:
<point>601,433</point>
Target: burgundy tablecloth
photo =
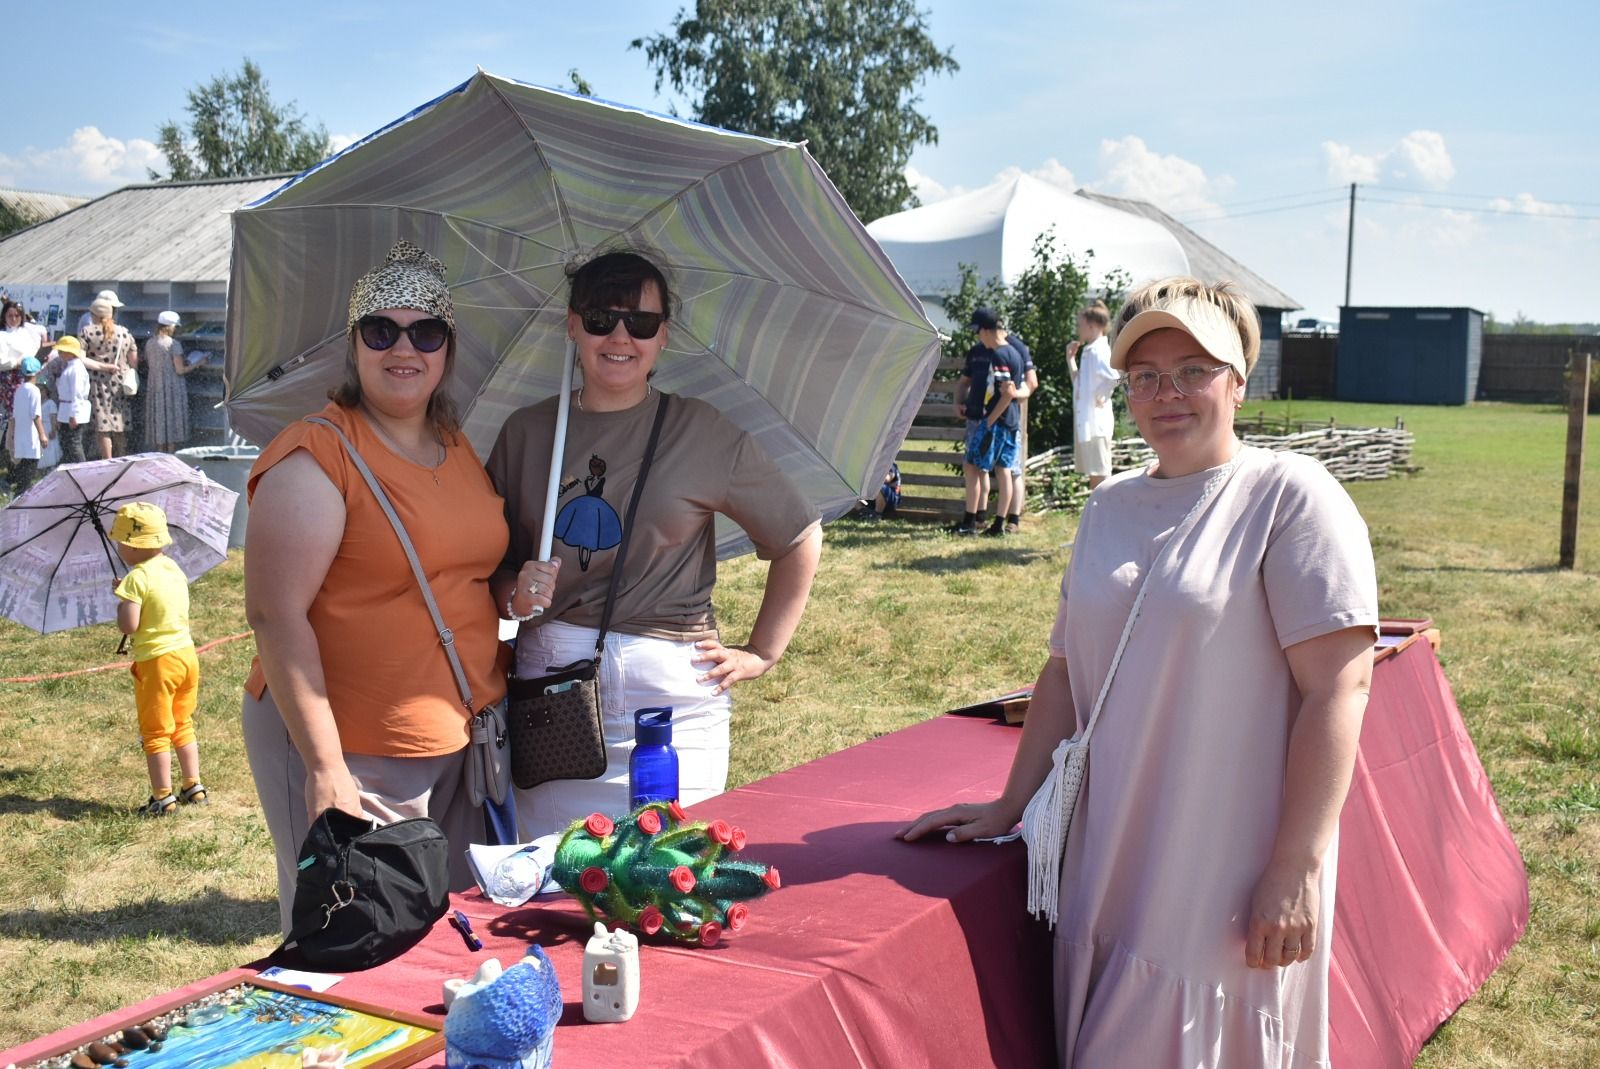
<point>877,952</point>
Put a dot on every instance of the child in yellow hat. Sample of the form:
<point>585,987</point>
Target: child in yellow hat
<point>166,674</point>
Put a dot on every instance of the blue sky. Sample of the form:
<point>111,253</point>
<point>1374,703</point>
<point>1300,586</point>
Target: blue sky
<point>1470,125</point>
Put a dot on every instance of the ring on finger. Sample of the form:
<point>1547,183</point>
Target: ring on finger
<point>533,589</point>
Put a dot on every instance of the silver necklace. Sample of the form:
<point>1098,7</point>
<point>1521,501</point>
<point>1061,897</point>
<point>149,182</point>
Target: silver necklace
<point>431,469</point>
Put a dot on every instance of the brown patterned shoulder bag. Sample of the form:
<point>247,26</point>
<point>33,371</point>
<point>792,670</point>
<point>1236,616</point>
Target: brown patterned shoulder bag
<point>556,730</point>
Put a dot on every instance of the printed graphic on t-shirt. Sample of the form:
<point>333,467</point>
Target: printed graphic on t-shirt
<point>587,523</point>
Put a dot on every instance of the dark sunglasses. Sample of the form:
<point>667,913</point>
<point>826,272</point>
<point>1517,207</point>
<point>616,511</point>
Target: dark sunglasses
<point>641,325</point>
<point>381,332</point>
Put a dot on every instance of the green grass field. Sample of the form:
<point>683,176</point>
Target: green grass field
<point>99,908</point>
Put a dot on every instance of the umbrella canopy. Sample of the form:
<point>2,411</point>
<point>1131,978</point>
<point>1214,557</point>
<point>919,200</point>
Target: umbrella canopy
<point>57,565</point>
<point>789,318</point>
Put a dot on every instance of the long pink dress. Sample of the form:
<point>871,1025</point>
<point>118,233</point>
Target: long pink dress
<point>1187,762</point>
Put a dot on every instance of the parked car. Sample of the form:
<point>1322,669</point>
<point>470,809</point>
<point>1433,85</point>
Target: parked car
<point>1312,325</point>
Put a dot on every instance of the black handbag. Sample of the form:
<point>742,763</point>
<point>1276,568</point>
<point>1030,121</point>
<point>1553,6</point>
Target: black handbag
<point>556,729</point>
<point>366,892</point>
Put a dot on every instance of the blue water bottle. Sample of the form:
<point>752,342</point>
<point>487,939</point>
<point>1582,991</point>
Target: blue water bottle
<point>653,765</point>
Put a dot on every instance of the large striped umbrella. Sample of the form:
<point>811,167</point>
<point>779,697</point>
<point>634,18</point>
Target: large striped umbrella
<point>792,321</point>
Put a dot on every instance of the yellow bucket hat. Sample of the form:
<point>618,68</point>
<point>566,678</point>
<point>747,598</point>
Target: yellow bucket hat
<point>141,525</point>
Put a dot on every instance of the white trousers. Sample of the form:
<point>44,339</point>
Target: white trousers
<point>636,672</point>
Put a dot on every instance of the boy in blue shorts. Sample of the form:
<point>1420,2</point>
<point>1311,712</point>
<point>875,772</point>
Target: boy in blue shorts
<point>153,608</point>
<point>986,397</point>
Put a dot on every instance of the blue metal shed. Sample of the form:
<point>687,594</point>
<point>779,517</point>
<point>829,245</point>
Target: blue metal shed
<point>1424,356</point>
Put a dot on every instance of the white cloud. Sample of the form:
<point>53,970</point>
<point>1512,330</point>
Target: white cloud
<point>1528,204</point>
<point>1419,156</point>
<point>1345,165</point>
<point>337,143</point>
<point>1429,160</point>
<point>1130,169</point>
<point>929,189</point>
<point>90,162</point>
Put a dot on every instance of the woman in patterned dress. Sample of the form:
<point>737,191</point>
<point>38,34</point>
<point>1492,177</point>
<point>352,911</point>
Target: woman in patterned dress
<point>107,349</point>
<point>166,397</point>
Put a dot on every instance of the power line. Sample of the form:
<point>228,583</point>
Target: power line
<point>1323,191</point>
<point>1480,210</point>
<point>1477,196</point>
<point>1262,211</point>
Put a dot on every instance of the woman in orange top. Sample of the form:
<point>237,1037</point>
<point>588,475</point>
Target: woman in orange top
<point>352,704</point>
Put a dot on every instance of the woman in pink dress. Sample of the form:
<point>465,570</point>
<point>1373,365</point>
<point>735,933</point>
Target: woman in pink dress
<point>1196,894</point>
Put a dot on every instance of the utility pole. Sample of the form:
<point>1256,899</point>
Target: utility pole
<point>1350,244</point>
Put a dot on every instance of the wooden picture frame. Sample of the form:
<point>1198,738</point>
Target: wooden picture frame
<point>413,1036</point>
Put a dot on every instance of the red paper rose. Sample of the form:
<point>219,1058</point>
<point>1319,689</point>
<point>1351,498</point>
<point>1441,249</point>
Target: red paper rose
<point>650,920</point>
<point>719,830</point>
<point>737,842</point>
<point>738,914</point>
<point>710,934</point>
<point>772,878</point>
<point>599,825</point>
<point>649,822</point>
<point>682,879</point>
<point>593,879</point>
<point>677,811</point>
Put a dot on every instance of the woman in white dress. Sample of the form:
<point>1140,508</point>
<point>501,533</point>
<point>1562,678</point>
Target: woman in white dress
<point>1196,896</point>
<point>166,396</point>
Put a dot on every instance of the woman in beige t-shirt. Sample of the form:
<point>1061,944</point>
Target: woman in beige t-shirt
<point>1196,894</point>
<point>663,647</point>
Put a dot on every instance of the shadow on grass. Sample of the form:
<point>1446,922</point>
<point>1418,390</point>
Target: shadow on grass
<point>1537,569</point>
<point>213,918</point>
<point>63,808</point>
<point>991,551</point>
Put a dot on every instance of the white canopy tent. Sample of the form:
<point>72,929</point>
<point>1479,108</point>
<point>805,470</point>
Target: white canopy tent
<point>994,229</point>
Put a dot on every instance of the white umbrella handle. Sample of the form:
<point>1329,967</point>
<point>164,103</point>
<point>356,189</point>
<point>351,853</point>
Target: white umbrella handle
<point>558,450</point>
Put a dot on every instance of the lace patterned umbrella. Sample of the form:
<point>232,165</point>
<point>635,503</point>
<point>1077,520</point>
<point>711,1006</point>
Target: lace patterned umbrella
<point>57,565</point>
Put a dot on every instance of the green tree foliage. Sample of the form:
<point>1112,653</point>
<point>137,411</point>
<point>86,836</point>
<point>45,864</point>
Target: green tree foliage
<point>12,220</point>
<point>1041,308</point>
<point>839,74</point>
<point>236,131</point>
<point>580,84</point>
<point>1521,324</point>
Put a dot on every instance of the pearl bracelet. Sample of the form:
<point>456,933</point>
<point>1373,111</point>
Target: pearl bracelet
<point>511,613</point>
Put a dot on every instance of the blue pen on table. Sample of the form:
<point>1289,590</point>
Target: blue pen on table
<point>459,921</point>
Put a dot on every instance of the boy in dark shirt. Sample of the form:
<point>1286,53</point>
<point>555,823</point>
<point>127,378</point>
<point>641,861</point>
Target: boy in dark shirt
<point>993,418</point>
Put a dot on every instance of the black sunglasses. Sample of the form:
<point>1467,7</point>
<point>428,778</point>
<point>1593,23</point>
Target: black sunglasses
<point>641,325</point>
<point>381,332</point>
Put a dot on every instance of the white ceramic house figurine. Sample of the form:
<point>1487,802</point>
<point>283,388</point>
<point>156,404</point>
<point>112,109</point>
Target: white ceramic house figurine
<point>610,975</point>
<point>487,973</point>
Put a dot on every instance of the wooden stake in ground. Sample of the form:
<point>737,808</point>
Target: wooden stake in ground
<point>1577,410</point>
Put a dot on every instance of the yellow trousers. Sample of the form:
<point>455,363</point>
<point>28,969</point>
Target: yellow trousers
<point>165,690</point>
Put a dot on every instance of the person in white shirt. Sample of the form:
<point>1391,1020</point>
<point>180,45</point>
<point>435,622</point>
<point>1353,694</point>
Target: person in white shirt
<point>72,398</point>
<point>1093,423</point>
<point>28,435</point>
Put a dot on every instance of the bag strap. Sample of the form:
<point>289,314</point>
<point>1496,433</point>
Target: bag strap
<point>1209,494</point>
<point>447,637</point>
<point>627,525</point>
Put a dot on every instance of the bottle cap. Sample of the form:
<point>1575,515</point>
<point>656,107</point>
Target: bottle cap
<point>653,726</point>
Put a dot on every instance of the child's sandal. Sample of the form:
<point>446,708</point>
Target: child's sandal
<point>195,795</point>
<point>158,807</point>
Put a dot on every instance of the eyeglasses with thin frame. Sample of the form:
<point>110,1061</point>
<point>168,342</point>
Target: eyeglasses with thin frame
<point>641,325</point>
<point>1189,380</point>
<point>381,332</point>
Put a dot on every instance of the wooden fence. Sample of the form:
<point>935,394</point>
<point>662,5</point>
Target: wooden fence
<point>1514,367</point>
<point>1350,454</point>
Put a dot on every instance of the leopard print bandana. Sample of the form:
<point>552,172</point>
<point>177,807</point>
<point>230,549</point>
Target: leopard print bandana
<point>408,278</point>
